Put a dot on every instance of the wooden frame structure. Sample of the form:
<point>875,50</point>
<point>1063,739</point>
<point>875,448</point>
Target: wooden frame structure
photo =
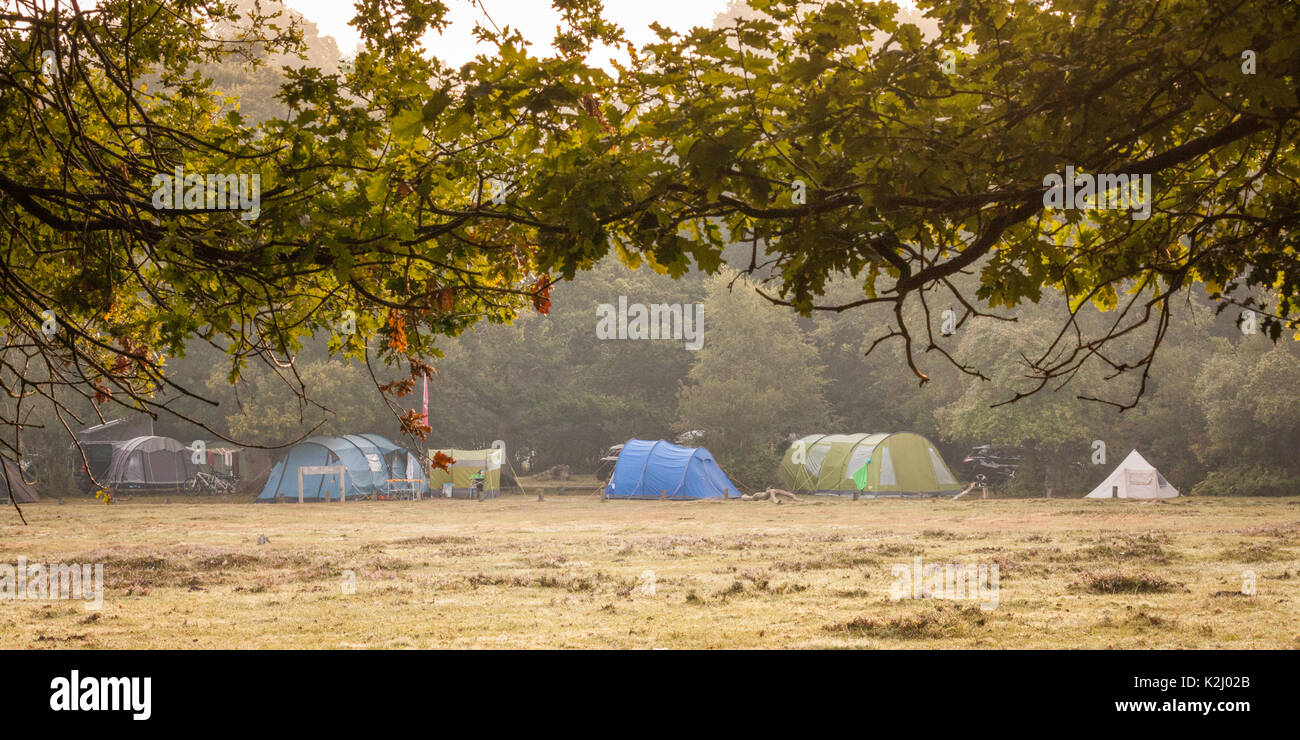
<point>339,470</point>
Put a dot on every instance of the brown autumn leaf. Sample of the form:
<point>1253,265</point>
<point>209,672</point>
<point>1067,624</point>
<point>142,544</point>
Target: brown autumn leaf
<point>442,460</point>
<point>542,295</point>
<point>421,369</point>
<point>397,331</point>
<point>398,388</point>
<point>412,423</point>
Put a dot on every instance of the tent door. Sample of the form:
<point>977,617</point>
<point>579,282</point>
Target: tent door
<point>1141,484</point>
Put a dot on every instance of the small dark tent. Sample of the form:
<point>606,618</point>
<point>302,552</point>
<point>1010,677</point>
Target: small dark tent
<point>147,463</point>
<point>11,479</point>
<point>663,470</point>
<point>97,444</point>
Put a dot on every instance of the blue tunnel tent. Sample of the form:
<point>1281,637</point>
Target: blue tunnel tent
<point>370,460</point>
<point>402,467</point>
<point>658,469</point>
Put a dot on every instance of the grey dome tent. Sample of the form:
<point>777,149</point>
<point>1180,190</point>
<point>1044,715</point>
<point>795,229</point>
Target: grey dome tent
<point>149,463</point>
<point>97,444</point>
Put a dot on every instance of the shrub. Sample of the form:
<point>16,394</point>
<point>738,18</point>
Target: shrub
<point>1249,481</point>
<point>1113,582</point>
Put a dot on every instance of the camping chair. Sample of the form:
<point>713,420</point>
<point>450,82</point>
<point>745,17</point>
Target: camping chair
<point>476,484</point>
<point>404,489</point>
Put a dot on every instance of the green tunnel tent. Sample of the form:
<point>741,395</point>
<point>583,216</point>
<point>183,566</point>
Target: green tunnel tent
<point>897,464</point>
<point>467,465</point>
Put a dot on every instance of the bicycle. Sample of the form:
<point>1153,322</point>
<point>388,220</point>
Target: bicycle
<point>209,483</point>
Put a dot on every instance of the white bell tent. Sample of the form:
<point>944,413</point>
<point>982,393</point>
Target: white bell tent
<point>1134,478</point>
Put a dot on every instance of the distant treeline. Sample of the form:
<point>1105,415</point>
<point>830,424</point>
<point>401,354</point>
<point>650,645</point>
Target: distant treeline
<point>1220,413</point>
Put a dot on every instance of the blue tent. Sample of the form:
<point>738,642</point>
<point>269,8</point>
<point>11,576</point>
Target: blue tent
<point>371,461</point>
<point>647,469</point>
<point>403,468</point>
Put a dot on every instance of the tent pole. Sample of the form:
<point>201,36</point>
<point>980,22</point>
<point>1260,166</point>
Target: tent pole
<point>516,475</point>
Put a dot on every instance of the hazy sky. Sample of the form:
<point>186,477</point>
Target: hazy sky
<point>534,18</point>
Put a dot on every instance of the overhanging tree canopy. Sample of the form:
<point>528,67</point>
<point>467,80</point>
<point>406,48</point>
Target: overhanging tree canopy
<point>853,143</point>
<point>385,204</point>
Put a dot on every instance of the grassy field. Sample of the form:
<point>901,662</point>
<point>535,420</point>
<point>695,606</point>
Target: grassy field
<point>573,572</point>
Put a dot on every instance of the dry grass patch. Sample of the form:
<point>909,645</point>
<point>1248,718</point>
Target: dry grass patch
<point>942,621</point>
<point>1256,553</point>
<point>572,582</point>
<point>1116,582</point>
<point>1280,531</point>
<point>898,549</point>
<point>758,583</point>
<point>1147,547</point>
<point>1139,621</point>
<point>442,539</point>
<point>828,561</point>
